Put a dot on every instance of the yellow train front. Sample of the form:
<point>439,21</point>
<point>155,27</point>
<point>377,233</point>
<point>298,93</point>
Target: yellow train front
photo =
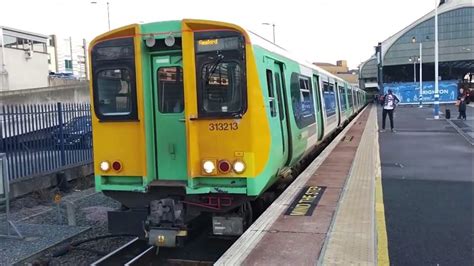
<point>194,117</point>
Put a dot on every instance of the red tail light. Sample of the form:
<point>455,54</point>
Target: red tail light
<point>117,166</point>
<point>224,166</point>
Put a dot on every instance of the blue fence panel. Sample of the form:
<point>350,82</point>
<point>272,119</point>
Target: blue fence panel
<point>45,138</point>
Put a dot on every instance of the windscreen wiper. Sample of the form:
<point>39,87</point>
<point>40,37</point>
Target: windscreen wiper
<point>214,66</point>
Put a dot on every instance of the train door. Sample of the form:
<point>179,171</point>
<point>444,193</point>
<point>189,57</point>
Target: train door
<point>280,90</point>
<point>170,128</point>
<point>319,108</point>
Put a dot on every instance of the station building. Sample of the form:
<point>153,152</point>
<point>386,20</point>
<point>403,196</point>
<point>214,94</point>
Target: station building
<point>396,62</point>
<point>23,59</point>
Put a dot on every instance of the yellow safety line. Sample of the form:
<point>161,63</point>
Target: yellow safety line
<point>382,242</point>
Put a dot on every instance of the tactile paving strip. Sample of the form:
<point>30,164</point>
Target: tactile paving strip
<point>351,240</point>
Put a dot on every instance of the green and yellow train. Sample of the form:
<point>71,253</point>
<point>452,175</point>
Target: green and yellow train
<point>196,116</point>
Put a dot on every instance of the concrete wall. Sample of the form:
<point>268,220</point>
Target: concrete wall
<point>77,93</point>
<point>24,73</point>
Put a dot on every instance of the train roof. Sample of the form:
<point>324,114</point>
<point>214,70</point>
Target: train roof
<point>258,40</point>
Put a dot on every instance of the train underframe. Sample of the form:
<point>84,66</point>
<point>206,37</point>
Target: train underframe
<point>166,216</point>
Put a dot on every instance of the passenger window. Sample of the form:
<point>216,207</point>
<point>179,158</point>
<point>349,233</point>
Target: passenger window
<point>329,99</point>
<point>114,92</point>
<point>342,99</point>
<point>280,98</point>
<point>271,96</point>
<point>302,100</point>
<point>170,90</point>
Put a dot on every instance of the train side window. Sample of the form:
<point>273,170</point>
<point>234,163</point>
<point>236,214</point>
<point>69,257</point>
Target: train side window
<point>271,95</point>
<point>280,98</point>
<point>302,100</point>
<point>329,99</point>
<point>170,90</point>
<point>342,99</point>
<point>349,96</point>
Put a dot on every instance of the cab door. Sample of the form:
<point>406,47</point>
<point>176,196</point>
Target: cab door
<point>170,129</point>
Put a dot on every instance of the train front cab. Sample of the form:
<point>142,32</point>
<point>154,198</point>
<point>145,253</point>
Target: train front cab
<point>179,124</point>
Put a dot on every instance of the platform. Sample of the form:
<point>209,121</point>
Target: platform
<point>342,227</point>
<point>427,170</point>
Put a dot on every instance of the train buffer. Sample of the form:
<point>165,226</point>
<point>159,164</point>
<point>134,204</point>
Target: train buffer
<point>328,215</point>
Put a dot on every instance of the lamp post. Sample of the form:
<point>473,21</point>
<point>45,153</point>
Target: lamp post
<point>273,25</point>
<point>108,11</point>
<point>421,72</point>
<point>436,89</point>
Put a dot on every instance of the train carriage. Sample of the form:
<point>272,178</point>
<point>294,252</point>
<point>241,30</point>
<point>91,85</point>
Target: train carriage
<point>198,117</point>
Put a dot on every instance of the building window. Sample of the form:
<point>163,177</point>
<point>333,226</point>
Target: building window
<point>302,100</point>
<point>68,64</point>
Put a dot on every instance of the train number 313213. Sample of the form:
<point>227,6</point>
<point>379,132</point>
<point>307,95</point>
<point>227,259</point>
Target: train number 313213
<point>223,126</point>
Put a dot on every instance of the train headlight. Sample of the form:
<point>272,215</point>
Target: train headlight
<point>239,167</point>
<point>208,167</point>
<point>104,166</point>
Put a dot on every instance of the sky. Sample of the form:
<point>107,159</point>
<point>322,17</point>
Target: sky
<point>318,30</point>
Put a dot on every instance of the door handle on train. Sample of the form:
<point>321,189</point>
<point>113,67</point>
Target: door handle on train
<point>182,120</point>
<point>172,150</point>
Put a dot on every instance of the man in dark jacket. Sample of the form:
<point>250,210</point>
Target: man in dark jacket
<point>389,103</point>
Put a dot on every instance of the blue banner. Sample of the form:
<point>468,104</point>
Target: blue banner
<point>409,92</point>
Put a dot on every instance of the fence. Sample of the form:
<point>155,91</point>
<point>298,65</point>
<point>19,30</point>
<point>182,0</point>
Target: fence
<point>45,138</point>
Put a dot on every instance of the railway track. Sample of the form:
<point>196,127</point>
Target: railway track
<point>138,252</point>
<point>135,252</point>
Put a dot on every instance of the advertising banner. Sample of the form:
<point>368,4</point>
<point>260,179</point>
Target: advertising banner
<point>409,92</point>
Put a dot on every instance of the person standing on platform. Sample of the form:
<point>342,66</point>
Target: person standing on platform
<point>390,101</point>
<point>462,107</point>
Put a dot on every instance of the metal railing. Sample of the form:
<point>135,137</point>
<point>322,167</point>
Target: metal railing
<point>43,138</point>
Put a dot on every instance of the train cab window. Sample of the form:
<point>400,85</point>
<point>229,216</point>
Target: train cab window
<point>222,91</point>
<point>271,95</point>
<point>302,100</point>
<point>329,99</point>
<point>114,92</point>
<point>113,80</point>
<point>220,66</point>
<point>342,98</point>
<point>170,90</point>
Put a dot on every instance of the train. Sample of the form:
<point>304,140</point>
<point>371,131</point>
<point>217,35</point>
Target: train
<point>197,118</point>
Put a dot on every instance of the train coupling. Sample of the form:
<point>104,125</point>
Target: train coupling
<point>167,237</point>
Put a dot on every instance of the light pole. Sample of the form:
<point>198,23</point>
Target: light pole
<point>273,25</point>
<point>436,89</point>
<point>421,72</point>
<point>108,11</point>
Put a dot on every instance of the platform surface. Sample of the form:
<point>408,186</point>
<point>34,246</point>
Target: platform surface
<point>277,238</point>
<point>427,176</point>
